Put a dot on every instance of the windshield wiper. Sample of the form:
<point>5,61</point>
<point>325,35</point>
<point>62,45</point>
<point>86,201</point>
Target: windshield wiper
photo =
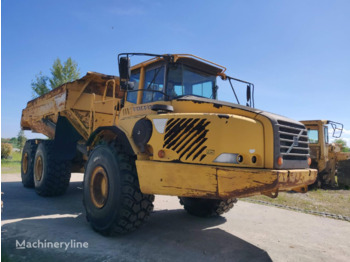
<point>154,78</point>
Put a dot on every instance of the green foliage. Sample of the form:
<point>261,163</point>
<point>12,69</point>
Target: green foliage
<point>11,165</point>
<point>343,144</point>
<point>21,139</point>
<point>60,74</point>
<point>13,141</point>
<point>39,86</point>
<point>6,150</point>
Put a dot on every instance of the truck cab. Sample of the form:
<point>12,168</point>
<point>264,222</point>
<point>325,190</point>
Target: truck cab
<point>323,153</point>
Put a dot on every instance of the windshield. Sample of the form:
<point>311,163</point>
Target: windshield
<point>184,80</point>
<point>313,136</point>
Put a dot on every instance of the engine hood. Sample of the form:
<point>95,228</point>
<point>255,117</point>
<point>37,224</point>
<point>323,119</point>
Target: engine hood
<point>222,104</point>
<point>290,136</point>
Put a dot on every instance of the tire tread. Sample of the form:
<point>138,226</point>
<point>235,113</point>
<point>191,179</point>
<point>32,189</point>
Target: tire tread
<point>136,207</point>
<point>207,207</point>
<point>58,175</point>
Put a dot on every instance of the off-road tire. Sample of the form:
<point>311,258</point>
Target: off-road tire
<point>55,174</point>
<point>202,207</point>
<point>27,163</point>
<point>125,208</point>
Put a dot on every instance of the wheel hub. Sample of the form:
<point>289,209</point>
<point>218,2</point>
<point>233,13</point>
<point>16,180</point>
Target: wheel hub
<point>38,168</point>
<point>99,187</point>
<point>25,163</point>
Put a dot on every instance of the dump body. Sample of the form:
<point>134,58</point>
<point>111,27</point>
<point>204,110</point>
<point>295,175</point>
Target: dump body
<point>185,145</point>
<point>87,103</point>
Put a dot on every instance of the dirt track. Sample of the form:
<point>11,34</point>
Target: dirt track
<point>249,232</point>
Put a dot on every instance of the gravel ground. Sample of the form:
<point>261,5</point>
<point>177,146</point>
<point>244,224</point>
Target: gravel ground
<point>249,232</point>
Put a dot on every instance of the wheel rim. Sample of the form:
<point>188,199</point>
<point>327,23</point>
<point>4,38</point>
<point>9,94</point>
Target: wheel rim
<point>39,168</point>
<point>99,187</point>
<point>25,163</point>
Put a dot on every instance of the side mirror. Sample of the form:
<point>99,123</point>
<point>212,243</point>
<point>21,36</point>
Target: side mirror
<point>248,93</point>
<point>124,71</point>
<point>215,91</point>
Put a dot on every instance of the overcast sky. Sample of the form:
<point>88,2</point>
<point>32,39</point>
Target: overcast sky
<point>297,53</point>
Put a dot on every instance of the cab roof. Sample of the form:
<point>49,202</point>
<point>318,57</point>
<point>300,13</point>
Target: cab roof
<point>187,59</point>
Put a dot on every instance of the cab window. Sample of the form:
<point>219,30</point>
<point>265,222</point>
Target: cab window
<point>184,80</point>
<point>313,136</point>
<point>153,89</point>
<point>133,87</point>
<point>326,140</point>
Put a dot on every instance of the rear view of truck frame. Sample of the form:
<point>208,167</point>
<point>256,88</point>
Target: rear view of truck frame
<point>159,129</point>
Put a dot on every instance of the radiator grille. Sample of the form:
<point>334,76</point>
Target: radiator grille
<point>294,142</point>
<point>187,137</point>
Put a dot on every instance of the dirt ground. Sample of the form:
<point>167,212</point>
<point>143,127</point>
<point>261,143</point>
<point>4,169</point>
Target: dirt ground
<point>249,232</point>
<point>332,201</point>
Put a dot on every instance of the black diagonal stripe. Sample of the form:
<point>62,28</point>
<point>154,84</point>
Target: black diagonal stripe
<point>202,157</point>
<point>180,135</point>
<point>199,138</point>
<point>185,133</point>
<point>170,125</point>
<point>176,132</point>
<point>199,152</point>
<point>196,147</point>
<point>173,131</point>
<point>199,128</point>
<point>170,121</point>
<point>193,135</point>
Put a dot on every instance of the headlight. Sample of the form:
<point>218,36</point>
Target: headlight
<point>228,158</point>
<point>159,124</point>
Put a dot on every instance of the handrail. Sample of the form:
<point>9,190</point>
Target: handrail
<point>104,100</point>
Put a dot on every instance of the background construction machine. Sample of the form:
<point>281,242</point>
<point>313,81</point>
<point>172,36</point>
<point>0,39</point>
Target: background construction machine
<point>326,157</point>
<point>159,129</point>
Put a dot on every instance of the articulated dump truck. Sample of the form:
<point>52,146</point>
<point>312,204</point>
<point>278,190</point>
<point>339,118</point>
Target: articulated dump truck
<point>160,129</point>
<point>333,166</point>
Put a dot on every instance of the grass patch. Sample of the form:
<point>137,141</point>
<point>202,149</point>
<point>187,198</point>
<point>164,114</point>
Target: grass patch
<point>329,201</point>
<point>4,256</point>
<point>9,166</point>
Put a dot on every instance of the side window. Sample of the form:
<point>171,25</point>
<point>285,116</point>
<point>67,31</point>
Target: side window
<point>204,89</point>
<point>134,84</point>
<point>178,90</point>
<point>313,136</point>
<point>153,89</point>
<point>326,139</point>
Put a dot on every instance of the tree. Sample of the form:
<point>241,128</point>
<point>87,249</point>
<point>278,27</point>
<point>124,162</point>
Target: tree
<point>60,74</point>
<point>13,141</point>
<point>39,86</point>
<point>343,144</point>
<point>21,139</point>
<point>6,150</point>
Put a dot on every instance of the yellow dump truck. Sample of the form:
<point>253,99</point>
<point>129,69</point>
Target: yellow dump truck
<point>325,155</point>
<point>160,129</point>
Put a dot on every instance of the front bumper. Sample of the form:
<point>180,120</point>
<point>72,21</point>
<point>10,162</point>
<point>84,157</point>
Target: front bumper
<point>205,181</point>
